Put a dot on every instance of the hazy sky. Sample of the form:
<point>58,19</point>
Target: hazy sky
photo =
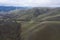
<point>30,3</point>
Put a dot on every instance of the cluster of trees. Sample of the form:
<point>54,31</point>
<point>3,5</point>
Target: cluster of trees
<point>9,29</point>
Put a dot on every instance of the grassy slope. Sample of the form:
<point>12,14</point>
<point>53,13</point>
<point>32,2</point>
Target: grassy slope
<point>48,30</point>
<point>31,22</point>
<point>34,23</point>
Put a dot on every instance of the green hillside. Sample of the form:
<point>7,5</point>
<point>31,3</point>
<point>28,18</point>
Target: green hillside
<point>39,23</point>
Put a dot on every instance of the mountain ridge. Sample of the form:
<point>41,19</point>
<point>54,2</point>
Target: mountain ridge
<point>9,8</point>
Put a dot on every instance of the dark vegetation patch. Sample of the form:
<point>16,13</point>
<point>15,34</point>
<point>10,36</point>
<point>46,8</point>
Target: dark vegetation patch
<point>10,30</point>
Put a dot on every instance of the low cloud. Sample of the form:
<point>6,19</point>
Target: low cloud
<point>30,3</point>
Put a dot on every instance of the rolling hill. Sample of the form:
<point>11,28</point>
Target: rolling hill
<point>37,23</point>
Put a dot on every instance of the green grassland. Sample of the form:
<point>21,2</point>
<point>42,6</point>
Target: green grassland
<point>36,23</point>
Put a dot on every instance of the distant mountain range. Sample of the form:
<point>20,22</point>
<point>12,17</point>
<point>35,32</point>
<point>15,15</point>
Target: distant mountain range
<point>9,8</point>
